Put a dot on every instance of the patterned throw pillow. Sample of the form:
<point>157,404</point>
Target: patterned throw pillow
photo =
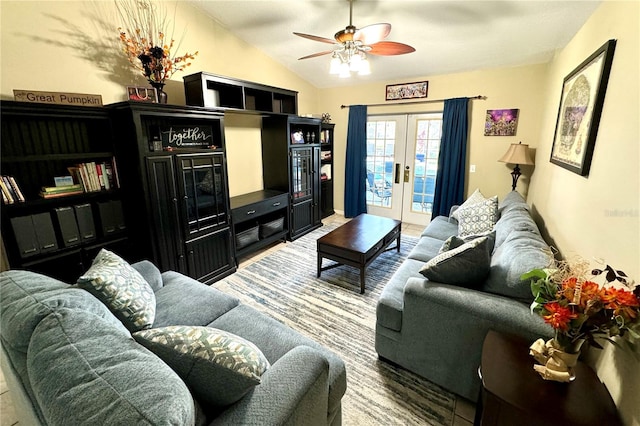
<point>451,243</point>
<point>218,366</point>
<point>122,289</point>
<point>467,265</point>
<point>478,218</point>
<point>474,198</point>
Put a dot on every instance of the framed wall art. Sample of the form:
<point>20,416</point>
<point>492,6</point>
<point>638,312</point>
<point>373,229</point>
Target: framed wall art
<point>407,91</point>
<point>581,102</point>
<point>501,122</point>
<point>142,94</point>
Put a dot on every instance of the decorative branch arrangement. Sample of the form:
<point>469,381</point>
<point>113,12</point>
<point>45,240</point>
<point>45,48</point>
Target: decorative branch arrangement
<point>145,41</point>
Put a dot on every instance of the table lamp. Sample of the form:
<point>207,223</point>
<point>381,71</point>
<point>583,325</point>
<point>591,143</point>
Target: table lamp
<point>517,154</point>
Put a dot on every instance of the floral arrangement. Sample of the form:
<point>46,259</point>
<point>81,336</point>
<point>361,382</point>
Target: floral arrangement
<point>145,43</point>
<point>579,309</point>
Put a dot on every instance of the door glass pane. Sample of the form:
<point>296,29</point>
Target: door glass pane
<point>380,150</point>
<point>427,147</point>
<point>204,193</point>
<point>301,172</point>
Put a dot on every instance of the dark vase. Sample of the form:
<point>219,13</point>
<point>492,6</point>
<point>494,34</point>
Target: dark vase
<point>161,95</point>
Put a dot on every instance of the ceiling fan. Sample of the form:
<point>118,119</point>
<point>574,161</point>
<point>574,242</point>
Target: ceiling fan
<point>352,45</point>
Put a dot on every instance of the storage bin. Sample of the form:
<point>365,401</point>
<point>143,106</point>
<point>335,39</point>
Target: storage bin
<point>272,227</point>
<point>244,238</point>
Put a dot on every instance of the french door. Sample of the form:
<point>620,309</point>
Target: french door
<point>402,163</point>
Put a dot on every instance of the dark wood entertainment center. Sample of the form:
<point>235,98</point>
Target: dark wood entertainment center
<point>171,203</point>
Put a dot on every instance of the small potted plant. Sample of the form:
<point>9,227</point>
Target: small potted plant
<point>580,310</point>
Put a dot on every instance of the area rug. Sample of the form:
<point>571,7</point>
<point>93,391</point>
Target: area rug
<point>332,311</point>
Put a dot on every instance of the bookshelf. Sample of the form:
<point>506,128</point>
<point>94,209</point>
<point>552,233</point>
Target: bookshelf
<point>326,170</point>
<point>59,235</point>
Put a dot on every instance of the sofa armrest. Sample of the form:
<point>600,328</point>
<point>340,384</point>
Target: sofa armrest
<point>294,390</point>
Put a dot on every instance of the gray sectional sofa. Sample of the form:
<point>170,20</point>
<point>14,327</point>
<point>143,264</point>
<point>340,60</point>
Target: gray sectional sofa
<point>435,329</point>
<point>68,360</point>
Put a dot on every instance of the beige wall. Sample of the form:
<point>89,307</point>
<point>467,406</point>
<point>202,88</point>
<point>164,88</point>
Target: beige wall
<point>73,46</point>
<point>598,217</point>
<point>520,87</point>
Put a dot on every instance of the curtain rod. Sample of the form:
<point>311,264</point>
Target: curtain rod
<point>414,102</point>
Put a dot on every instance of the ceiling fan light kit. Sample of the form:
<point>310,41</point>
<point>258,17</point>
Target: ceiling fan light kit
<point>351,46</point>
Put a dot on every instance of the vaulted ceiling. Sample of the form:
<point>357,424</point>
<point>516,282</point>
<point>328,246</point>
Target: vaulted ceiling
<point>449,36</point>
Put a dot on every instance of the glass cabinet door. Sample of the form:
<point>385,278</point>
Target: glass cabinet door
<point>204,191</point>
<point>302,173</point>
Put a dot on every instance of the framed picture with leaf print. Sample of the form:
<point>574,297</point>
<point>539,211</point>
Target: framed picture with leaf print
<point>581,102</point>
<point>142,94</point>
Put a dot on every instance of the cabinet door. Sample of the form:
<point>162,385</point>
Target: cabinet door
<point>168,247</point>
<point>302,173</point>
<point>203,188</point>
<point>302,217</point>
<point>210,257</point>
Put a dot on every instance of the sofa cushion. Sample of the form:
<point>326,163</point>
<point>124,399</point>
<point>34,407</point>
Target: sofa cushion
<point>520,253</point>
<point>150,273</point>
<point>512,199</point>
<point>515,218</point>
<point>27,297</point>
<point>202,307</point>
<point>474,198</point>
<point>440,228</point>
<point>119,286</point>
<point>218,366</point>
<point>426,248</point>
<point>84,370</point>
<point>478,218</point>
<point>466,265</point>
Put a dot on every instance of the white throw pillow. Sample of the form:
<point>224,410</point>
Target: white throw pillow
<point>478,219</point>
<point>474,198</point>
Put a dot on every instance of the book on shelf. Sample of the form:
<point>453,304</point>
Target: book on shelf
<point>94,176</point>
<point>116,178</point>
<point>59,189</point>
<point>16,189</point>
<point>7,198</point>
<point>47,195</point>
<point>109,174</point>
<point>11,192</point>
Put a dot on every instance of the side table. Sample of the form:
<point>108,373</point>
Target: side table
<point>513,393</point>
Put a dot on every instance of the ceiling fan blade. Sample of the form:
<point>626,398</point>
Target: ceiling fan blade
<point>326,52</point>
<point>387,48</point>
<point>372,33</point>
<point>316,38</point>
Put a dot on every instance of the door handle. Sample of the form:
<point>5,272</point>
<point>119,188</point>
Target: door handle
<point>396,178</point>
<point>406,174</point>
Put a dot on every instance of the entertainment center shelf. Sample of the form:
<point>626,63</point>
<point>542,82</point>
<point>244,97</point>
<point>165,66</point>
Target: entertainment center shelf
<point>215,91</point>
<point>259,219</point>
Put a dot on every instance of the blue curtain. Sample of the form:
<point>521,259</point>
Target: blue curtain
<point>355,201</point>
<point>452,159</point>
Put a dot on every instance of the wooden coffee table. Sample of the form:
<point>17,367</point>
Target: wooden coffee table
<point>358,242</point>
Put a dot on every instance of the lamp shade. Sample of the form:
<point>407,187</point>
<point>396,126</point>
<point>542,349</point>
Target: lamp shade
<point>517,154</point>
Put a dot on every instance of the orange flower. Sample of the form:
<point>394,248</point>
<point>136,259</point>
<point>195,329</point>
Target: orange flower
<point>622,302</point>
<point>559,316</point>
